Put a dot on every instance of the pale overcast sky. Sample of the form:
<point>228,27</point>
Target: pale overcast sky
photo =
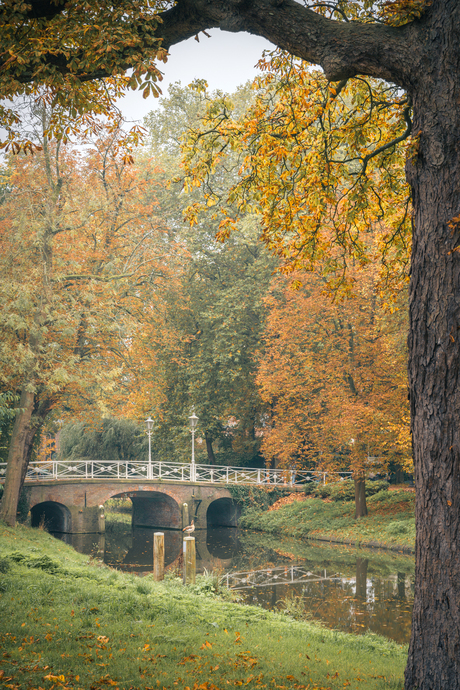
<point>225,60</point>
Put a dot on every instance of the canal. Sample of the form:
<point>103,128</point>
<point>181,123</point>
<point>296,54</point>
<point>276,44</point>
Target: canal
<point>353,590</point>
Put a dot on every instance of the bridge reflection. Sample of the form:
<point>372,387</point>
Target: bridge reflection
<point>132,550</point>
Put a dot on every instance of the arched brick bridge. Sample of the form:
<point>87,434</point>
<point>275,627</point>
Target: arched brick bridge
<point>74,505</point>
<point>69,495</point>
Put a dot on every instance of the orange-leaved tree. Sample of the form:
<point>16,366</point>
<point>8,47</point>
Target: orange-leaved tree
<point>320,166</point>
<point>318,163</point>
<point>333,375</point>
<point>82,261</point>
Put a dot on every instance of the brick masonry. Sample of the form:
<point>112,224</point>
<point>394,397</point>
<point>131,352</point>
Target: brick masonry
<point>155,504</point>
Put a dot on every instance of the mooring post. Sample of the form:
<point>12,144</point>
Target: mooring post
<point>158,556</point>
<point>101,520</point>
<point>189,561</point>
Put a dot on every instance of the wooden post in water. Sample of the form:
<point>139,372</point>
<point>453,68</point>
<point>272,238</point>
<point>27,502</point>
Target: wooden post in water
<point>189,561</point>
<point>158,556</point>
<point>101,520</point>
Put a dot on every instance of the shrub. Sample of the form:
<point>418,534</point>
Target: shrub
<point>344,490</point>
<point>258,497</point>
<point>398,527</point>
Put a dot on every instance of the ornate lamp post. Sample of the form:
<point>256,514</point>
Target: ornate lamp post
<point>149,423</point>
<point>193,422</point>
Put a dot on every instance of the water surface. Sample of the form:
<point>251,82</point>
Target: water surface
<point>346,589</point>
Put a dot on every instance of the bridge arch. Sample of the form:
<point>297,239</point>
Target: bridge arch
<point>223,512</point>
<point>155,509</point>
<point>56,517</point>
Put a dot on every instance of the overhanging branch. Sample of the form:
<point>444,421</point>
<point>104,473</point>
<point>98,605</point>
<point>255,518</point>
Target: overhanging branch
<point>342,49</point>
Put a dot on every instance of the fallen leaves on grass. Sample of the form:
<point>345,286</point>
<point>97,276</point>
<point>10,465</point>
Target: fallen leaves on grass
<point>287,500</point>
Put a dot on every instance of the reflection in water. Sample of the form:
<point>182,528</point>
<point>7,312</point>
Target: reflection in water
<point>348,590</point>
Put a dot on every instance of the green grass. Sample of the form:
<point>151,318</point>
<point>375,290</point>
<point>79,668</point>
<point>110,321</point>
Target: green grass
<point>390,521</point>
<point>69,622</point>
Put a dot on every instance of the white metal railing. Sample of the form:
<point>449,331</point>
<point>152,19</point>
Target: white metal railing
<point>171,471</point>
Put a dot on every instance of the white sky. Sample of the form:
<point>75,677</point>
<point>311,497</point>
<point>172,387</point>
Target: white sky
<point>225,60</point>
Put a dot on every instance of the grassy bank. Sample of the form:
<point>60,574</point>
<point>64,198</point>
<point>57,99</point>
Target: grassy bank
<point>69,622</point>
<point>389,524</point>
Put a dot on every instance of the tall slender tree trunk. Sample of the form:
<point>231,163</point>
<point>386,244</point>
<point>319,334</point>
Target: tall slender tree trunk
<point>210,450</point>
<point>17,457</point>
<point>434,357</point>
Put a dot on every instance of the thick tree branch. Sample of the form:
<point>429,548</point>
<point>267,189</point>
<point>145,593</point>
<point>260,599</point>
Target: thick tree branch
<point>342,49</point>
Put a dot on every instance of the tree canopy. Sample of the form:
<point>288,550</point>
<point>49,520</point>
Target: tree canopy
<point>83,262</point>
<point>412,44</point>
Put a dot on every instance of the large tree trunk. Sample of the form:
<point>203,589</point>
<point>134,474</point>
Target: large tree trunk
<point>17,457</point>
<point>28,423</point>
<point>360,497</point>
<point>434,362</point>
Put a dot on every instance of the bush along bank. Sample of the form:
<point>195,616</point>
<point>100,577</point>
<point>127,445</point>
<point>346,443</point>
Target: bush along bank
<point>327,513</point>
<point>71,623</point>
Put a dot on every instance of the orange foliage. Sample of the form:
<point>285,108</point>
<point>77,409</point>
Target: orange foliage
<point>85,258</point>
<point>333,374</point>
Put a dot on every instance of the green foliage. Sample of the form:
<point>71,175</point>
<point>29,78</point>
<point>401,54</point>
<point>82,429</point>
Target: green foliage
<point>7,405</point>
<point>118,505</point>
<point>344,491</point>
<point>218,312</point>
<point>256,498</point>
<point>8,411</point>
<point>113,439</point>
<point>294,605</point>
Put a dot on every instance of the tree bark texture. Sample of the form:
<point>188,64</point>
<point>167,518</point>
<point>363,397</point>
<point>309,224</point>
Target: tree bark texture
<point>360,497</point>
<point>434,175</point>
<point>28,423</point>
<point>17,458</point>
